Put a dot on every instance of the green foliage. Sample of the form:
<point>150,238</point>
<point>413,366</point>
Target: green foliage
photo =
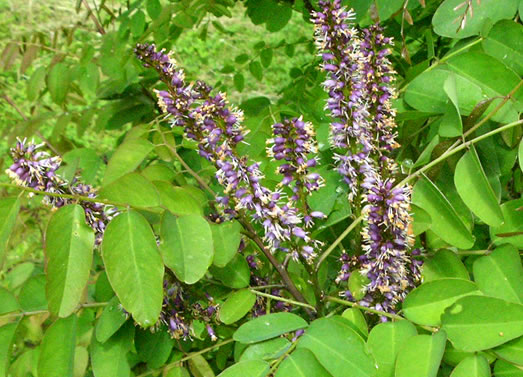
<point>72,304</point>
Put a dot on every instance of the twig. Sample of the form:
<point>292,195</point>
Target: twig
<point>37,132</point>
<point>36,312</point>
<point>283,299</point>
<point>364,308</point>
<point>73,197</point>
<point>291,287</point>
<point>277,362</point>
<point>99,27</point>
<point>337,241</point>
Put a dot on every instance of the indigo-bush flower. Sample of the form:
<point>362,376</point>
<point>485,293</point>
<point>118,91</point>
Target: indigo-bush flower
<point>359,77</point>
<point>217,128</point>
<point>180,310</point>
<point>294,144</point>
<point>36,169</point>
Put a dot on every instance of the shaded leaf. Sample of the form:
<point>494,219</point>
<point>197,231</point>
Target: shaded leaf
<point>236,306</point>
<point>186,246</point>
<point>57,349</point>
<point>134,266</point>
<point>301,363</point>
<point>475,323</point>
<point>421,356</point>
<point>254,368</point>
<point>69,251</point>
<point>444,264</point>
<point>226,240</point>
<point>132,189</point>
<point>268,326</point>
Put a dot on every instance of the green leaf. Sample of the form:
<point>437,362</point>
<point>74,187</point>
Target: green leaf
<point>254,368</point>
<point>511,351</point>
<point>126,158</point>
<point>8,303</point>
<point>268,326</point>
<point>278,16</point>
<point>338,348</point>
<point>154,8</point>
<point>301,363</point>
<point>451,125</point>
<point>186,246</point>
<point>504,43</point>
<point>132,189</point>
<point>138,23</point>
<point>513,220</point>
<point>504,369</point>
<point>385,340</point>
<point>500,274</point>
<point>236,274</point>
<point>421,220</point>
<point>267,350</point>
<point>236,306</point>
<point>177,372</point>
<point>256,70</point>
<point>239,81</point>
<point>199,367</point>
<point>69,251</point>
<point>81,361</point>
<point>153,348</point>
<point>386,8</point>
<point>357,284</point>
<point>178,200</point>
<point>478,77</point>
<point>82,159</point>
<point>425,304</point>
<point>9,208</point>
<point>520,154</point>
<point>58,82</point>
<point>35,83</point>
<point>7,335</point>
<point>475,190</point>
<point>357,320</point>
<point>266,57</point>
<point>57,349</point>
<point>421,356</point>
<point>134,266</point>
<point>110,321</point>
<point>445,220</point>
<point>226,238</point>
<point>110,358</point>
<point>32,295</point>
<point>472,366</point>
<point>446,19</point>
<point>444,264</point>
<point>475,323</point>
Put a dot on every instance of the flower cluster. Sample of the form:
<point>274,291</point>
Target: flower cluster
<point>36,169</point>
<point>359,77</point>
<point>217,128</point>
<point>178,314</point>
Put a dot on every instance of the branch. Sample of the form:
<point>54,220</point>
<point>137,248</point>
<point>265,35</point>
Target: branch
<point>99,27</point>
<point>289,284</point>
<point>36,312</point>
<point>283,299</point>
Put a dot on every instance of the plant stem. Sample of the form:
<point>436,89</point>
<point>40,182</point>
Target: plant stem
<point>99,27</point>
<point>36,312</point>
<point>364,308</point>
<point>456,149</point>
<point>291,287</point>
<point>73,197</point>
<point>337,241</point>
<point>452,150</point>
<point>283,299</point>
<point>278,361</point>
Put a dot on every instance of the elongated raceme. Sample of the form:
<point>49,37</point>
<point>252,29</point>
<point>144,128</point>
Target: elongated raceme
<point>34,168</point>
<point>359,78</point>
<point>217,128</point>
